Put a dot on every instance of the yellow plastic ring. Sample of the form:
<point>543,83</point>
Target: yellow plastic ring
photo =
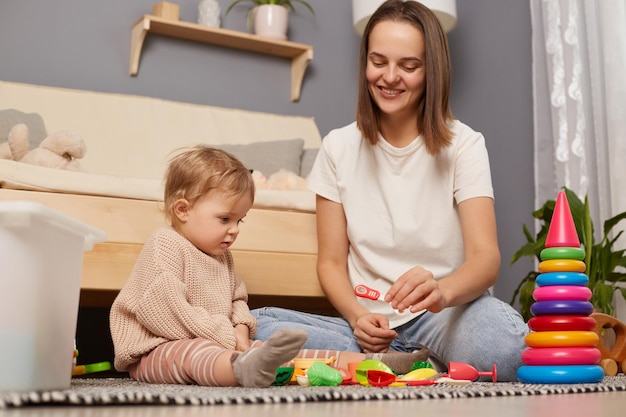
<point>561,339</point>
<point>562,265</point>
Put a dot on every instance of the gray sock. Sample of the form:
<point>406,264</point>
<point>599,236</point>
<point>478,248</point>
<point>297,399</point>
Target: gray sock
<point>256,367</point>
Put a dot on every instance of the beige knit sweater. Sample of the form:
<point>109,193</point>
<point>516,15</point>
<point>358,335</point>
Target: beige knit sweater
<point>176,291</point>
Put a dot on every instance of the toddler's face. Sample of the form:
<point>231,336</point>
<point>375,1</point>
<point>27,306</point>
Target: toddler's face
<point>212,222</point>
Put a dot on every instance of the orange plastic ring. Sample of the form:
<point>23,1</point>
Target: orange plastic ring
<point>562,265</point>
<point>561,339</point>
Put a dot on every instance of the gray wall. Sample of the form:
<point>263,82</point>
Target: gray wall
<point>85,44</point>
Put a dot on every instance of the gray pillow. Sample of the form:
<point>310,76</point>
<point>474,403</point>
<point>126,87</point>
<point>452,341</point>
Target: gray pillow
<point>269,157</point>
<point>306,163</point>
<point>11,117</point>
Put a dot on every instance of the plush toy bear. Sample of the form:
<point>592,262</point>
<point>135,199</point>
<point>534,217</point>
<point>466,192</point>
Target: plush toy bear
<point>60,150</point>
<point>279,180</point>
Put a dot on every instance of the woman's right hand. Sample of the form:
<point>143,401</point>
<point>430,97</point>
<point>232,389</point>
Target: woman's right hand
<point>373,334</point>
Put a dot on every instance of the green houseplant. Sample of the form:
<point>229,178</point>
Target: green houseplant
<point>602,261</point>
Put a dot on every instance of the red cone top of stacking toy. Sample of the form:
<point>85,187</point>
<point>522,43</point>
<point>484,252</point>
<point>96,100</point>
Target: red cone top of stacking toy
<point>562,232</point>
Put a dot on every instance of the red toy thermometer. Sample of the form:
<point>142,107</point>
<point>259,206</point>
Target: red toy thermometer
<point>366,292</point>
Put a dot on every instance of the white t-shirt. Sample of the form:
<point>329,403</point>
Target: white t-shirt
<point>400,204</point>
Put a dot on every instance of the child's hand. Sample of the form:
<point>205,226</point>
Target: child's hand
<point>242,337</point>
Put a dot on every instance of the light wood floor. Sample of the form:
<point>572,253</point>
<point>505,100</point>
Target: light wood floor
<point>570,405</point>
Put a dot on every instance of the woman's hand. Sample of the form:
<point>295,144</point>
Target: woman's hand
<point>416,290</point>
<point>373,334</point>
<point>242,337</point>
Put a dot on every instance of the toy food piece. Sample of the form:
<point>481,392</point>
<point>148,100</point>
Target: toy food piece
<point>283,376</point>
<point>378,378</point>
<point>367,365</point>
<point>424,364</point>
<point>303,380</point>
<point>418,374</point>
<point>322,375</point>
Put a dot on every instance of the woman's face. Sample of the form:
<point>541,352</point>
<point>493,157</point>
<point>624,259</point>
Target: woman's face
<point>396,70</point>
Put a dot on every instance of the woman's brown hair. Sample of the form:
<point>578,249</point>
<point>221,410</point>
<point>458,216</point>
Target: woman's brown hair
<point>433,110</point>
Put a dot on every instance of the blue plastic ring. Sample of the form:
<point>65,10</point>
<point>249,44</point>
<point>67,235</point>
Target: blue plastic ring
<point>561,307</point>
<point>564,374</point>
<point>562,278</point>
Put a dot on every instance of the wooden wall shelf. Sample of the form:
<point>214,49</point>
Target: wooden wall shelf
<point>299,54</point>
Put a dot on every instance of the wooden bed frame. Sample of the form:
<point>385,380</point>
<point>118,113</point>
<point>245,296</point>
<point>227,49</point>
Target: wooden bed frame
<point>283,266</point>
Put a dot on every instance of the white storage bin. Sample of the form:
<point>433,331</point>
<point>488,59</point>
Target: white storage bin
<point>41,258</point>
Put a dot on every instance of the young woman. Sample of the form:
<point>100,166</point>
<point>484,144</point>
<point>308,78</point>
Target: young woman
<point>405,207</point>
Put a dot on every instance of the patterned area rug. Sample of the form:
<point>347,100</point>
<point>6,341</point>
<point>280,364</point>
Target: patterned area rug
<point>109,391</point>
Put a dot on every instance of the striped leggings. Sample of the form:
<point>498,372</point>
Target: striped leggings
<point>193,361</point>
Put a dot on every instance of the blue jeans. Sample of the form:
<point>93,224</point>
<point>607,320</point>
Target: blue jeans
<point>481,333</point>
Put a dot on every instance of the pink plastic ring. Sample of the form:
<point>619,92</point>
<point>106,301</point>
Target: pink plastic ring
<point>561,356</point>
<point>562,292</point>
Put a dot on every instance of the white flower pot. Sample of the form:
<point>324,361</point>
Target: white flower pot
<point>270,21</point>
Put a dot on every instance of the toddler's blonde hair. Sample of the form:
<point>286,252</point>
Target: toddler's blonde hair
<point>201,169</point>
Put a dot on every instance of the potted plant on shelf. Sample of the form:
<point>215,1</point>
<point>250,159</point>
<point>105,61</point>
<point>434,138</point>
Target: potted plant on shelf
<point>269,18</point>
<point>603,263</point>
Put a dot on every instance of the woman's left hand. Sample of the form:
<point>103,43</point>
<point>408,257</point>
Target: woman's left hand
<point>416,290</point>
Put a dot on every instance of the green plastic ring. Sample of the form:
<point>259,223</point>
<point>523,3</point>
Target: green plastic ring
<point>562,253</point>
<point>97,367</point>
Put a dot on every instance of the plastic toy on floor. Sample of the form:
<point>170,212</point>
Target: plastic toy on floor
<point>458,373</point>
<point>561,345</point>
<point>613,358</point>
<point>89,368</point>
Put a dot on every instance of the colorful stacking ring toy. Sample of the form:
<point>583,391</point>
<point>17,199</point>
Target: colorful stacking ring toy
<point>562,292</point>
<point>561,323</point>
<point>562,278</point>
<point>562,265</point>
<point>562,252</point>
<point>567,374</point>
<point>566,307</point>
<point>561,339</point>
<point>562,356</point>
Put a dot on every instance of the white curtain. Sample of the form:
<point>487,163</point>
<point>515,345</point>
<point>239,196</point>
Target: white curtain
<point>579,90</point>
